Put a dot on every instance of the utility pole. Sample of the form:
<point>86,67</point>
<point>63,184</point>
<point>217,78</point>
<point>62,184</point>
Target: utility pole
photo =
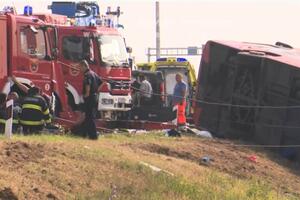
<point>157,30</point>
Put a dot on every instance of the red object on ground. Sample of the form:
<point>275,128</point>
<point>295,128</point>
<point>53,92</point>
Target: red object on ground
<point>253,158</point>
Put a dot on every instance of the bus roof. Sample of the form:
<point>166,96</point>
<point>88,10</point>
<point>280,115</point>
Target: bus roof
<point>287,55</point>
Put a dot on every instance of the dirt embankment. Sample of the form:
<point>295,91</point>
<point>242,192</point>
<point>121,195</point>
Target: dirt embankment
<point>16,154</point>
<point>16,160</point>
<point>228,157</point>
<point>62,169</point>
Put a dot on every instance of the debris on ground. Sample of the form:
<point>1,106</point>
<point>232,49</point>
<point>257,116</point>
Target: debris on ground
<point>172,133</point>
<point>156,169</point>
<point>205,160</point>
<point>200,133</point>
<point>252,158</point>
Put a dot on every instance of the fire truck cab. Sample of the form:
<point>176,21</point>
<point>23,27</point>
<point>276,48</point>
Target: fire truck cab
<point>104,48</point>
<point>105,51</point>
<point>26,51</point>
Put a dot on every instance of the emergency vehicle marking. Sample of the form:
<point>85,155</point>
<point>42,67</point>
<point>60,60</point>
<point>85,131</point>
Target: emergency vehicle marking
<point>34,67</point>
<point>47,86</point>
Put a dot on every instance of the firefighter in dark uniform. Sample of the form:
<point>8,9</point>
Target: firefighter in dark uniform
<point>3,116</point>
<point>91,82</point>
<point>35,112</point>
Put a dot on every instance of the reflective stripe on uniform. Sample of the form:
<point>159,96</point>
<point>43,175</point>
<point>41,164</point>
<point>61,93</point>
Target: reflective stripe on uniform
<point>31,123</point>
<point>32,106</point>
<point>15,121</point>
<point>46,112</point>
<point>48,121</point>
<point>2,121</point>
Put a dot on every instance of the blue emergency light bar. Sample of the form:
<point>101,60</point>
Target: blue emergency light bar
<point>181,60</point>
<point>166,59</point>
<point>27,10</point>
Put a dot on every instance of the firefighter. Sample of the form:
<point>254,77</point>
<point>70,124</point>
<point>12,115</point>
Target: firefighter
<point>35,112</point>
<point>91,82</point>
<point>3,116</point>
<point>16,110</point>
<point>178,100</point>
<point>25,89</point>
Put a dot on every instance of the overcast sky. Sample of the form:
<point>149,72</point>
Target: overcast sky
<point>191,23</point>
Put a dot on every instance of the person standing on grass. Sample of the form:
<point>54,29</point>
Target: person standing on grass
<point>91,82</point>
<point>179,100</point>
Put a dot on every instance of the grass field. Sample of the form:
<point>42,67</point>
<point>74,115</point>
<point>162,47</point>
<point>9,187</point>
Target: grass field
<point>65,167</point>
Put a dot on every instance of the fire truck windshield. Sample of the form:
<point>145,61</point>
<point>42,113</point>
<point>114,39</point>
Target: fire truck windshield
<point>113,50</point>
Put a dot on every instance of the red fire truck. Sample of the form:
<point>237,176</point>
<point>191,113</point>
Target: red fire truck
<point>104,48</point>
<point>98,45</point>
<point>28,51</point>
<point>25,51</point>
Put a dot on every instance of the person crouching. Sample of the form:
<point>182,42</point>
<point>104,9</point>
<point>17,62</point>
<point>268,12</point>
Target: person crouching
<point>35,112</point>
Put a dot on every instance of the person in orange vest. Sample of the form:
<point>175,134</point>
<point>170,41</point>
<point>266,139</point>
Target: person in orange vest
<point>179,100</point>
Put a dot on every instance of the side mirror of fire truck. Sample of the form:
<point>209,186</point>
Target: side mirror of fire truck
<point>130,60</point>
<point>129,49</point>
<point>33,29</point>
<point>54,52</point>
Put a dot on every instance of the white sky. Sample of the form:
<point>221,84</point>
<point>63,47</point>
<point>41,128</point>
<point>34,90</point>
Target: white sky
<point>191,22</point>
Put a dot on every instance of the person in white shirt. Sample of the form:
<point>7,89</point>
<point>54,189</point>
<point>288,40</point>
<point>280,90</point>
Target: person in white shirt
<point>145,91</point>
